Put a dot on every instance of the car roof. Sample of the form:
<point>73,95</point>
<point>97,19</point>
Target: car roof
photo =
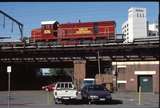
<point>62,82</point>
<point>89,79</point>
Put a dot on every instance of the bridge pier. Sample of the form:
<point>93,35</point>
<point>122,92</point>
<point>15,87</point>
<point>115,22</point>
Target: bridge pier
<point>79,72</point>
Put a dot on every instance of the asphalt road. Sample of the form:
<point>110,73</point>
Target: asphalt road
<point>42,99</point>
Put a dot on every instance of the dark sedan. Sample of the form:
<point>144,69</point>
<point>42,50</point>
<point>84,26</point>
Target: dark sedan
<point>92,93</point>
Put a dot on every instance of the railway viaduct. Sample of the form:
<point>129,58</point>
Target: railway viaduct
<point>84,59</point>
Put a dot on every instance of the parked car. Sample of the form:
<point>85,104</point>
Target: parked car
<point>64,92</point>
<point>49,87</point>
<point>92,93</point>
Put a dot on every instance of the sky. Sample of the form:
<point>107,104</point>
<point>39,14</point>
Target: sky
<point>30,14</point>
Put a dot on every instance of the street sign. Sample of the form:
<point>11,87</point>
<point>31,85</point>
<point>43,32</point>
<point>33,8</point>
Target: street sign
<point>9,84</point>
<point>8,69</point>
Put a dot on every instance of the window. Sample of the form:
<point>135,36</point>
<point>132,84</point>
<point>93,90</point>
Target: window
<point>66,85</point>
<point>149,34</point>
<point>154,34</point>
<point>70,85</point>
<point>108,70</point>
<point>139,10</point>
<point>62,85</point>
<point>137,14</point>
<point>121,70</point>
<point>58,85</point>
<point>96,88</point>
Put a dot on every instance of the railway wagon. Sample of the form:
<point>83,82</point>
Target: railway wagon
<point>87,30</point>
<point>47,32</point>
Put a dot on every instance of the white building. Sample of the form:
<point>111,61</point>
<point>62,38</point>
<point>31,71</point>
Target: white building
<point>136,25</point>
<point>153,29</point>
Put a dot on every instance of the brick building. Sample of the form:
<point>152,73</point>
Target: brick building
<point>132,75</point>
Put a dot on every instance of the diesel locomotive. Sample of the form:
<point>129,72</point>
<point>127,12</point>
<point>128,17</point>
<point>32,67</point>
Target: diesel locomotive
<point>73,33</point>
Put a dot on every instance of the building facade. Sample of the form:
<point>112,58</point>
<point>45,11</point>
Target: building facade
<point>153,30</point>
<point>134,74</point>
<point>136,25</point>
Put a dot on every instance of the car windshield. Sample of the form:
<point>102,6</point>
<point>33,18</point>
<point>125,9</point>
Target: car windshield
<point>96,88</point>
<point>64,86</point>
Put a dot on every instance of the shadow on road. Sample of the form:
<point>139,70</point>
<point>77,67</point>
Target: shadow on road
<point>79,102</point>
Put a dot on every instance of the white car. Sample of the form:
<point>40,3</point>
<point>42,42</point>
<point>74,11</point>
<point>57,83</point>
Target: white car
<point>64,92</point>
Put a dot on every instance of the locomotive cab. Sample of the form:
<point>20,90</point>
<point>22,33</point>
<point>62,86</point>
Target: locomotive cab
<point>49,30</point>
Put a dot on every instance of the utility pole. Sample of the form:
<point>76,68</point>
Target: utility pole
<point>116,74</point>
<point>99,66</point>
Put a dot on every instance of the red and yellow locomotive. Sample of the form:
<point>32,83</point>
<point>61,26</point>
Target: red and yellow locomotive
<point>74,32</point>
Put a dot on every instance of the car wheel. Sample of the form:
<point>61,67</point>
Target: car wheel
<point>56,101</point>
<point>85,100</point>
<point>108,101</point>
<point>90,102</point>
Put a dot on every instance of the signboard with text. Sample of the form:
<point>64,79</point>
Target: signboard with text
<point>8,69</point>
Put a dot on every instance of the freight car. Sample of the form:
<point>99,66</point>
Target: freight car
<point>74,33</point>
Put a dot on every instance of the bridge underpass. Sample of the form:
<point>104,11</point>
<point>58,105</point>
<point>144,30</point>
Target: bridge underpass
<point>28,76</point>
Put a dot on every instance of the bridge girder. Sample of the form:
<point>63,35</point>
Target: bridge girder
<point>118,52</point>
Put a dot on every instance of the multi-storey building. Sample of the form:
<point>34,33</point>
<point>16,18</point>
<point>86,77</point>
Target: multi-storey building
<point>136,25</point>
